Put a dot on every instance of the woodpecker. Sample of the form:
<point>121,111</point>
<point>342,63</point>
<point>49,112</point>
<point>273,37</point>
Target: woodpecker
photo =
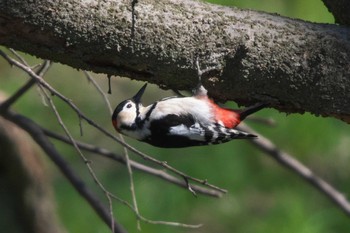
<point>175,122</point>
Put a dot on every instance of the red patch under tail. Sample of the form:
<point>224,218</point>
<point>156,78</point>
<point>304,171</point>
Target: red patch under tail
<point>228,117</point>
<point>231,118</point>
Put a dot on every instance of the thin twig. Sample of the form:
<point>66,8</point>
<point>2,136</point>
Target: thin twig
<point>176,224</point>
<point>189,187</point>
<point>152,171</point>
<point>41,71</point>
<point>99,89</point>
<point>126,154</point>
<point>132,186</point>
<point>19,57</point>
<point>101,129</point>
<point>82,156</point>
<point>298,168</point>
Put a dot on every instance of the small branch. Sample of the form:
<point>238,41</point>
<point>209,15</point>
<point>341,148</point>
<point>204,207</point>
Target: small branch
<point>105,98</point>
<point>298,168</point>
<point>91,79</point>
<point>132,186</point>
<point>39,137</point>
<point>6,104</point>
<point>190,188</point>
<point>82,156</point>
<point>41,71</point>
<point>126,154</point>
<point>155,172</point>
<point>19,57</point>
<point>176,224</point>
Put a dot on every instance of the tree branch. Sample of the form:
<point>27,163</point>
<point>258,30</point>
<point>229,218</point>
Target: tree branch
<point>300,169</point>
<point>41,71</point>
<point>152,171</point>
<point>294,65</point>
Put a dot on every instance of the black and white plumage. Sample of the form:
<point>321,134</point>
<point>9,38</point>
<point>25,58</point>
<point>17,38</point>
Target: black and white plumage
<point>180,121</point>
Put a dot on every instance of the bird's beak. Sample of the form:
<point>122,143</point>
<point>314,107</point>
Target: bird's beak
<point>137,97</point>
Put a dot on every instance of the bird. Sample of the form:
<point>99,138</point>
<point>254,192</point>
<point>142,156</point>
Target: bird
<point>177,122</point>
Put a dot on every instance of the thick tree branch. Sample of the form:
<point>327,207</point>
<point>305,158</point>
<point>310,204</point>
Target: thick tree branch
<point>294,65</point>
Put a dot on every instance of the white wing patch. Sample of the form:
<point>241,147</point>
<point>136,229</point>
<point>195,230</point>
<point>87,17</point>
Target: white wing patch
<point>195,132</point>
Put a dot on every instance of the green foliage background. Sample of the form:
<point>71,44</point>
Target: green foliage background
<point>263,196</point>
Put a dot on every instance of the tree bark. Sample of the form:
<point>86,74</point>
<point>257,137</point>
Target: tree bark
<point>249,56</point>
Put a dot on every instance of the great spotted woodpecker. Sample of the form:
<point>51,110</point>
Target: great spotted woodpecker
<point>180,121</point>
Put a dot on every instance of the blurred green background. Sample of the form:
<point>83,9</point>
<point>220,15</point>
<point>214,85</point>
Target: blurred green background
<point>262,196</point>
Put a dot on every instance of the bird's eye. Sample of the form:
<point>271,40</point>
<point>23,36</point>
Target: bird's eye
<point>128,106</point>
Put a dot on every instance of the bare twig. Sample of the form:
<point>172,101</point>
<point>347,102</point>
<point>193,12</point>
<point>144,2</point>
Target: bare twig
<point>298,168</point>
<point>189,187</point>
<point>104,96</point>
<point>132,186</point>
<point>176,224</point>
<point>38,135</point>
<point>91,79</point>
<point>41,71</point>
<point>91,122</point>
<point>152,171</point>
<point>19,57</point>
<point>126,154</point>
<point>82,156</point>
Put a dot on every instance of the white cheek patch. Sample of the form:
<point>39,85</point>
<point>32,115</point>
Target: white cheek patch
<point>126,118</point>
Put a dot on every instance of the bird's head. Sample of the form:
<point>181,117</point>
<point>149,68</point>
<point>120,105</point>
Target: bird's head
<point>126,114</point>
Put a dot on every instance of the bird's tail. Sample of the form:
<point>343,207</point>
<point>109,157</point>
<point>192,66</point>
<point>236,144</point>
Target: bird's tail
<point>243,113</point>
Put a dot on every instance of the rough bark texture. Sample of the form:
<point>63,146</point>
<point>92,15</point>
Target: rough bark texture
<point>254,57</point>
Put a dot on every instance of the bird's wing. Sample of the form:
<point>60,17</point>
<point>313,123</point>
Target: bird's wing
<point>213,134</point>
<point>183,130</point>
